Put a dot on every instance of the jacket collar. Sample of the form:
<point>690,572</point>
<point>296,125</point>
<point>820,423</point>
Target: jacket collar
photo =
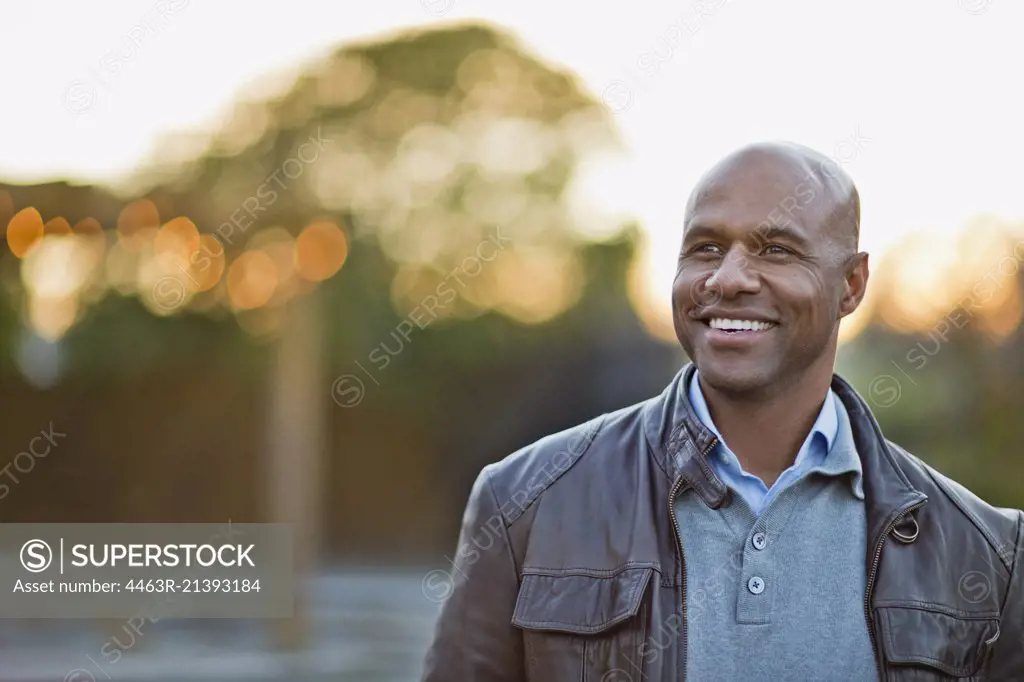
<point>887,489</point>
<point>680,442</point>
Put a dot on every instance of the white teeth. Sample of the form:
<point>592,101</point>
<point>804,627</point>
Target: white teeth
<point>740,325</point>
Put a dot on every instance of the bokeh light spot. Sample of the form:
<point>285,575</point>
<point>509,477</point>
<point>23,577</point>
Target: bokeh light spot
<point>137,222</point>
<point>24,231</point>
<point>207,266</point>
<point>88,226</point>
<point>57,227</point>
<point>176,244</point>
<point>251,280</point>
<point>320,251</point>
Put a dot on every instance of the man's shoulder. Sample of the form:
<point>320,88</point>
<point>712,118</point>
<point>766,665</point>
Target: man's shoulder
<point>522,477</point>
<point>1000,525</point>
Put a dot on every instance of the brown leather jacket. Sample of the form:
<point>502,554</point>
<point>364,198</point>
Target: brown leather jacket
<point>569,565</point>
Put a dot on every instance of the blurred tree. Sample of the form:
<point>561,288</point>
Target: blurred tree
<point>429,170</point>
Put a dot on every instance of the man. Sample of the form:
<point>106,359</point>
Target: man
<point>752,522</point>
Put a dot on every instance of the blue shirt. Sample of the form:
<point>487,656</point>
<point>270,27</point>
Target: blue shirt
<point>752,489</point>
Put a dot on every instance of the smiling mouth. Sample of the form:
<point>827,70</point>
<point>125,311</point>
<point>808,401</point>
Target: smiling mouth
<point>731,326</point>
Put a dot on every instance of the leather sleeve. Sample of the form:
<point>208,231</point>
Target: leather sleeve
<point>474,639</point>
<point>1008,656</point>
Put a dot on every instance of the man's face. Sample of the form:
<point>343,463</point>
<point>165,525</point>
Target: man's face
<point>761,283</point>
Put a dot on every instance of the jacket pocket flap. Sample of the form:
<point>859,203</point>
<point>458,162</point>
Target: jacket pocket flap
<point>956,645</point>
<point>579,604</point>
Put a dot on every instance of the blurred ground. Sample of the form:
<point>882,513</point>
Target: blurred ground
<point>368,625</point>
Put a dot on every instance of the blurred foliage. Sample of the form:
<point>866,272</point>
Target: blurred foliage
<point>421,149</point>
<point>445,156</point>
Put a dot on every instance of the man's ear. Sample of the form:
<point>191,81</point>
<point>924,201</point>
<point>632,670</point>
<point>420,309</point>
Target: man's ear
<point>855,283</point>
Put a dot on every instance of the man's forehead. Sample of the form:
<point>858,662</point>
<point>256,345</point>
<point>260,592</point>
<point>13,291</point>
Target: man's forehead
<point>733,202</point>
<point>769,184</point>
<point>750,174</point>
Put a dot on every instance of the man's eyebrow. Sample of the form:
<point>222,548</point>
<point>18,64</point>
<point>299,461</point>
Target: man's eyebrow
<point>764,233</point>
<point>783,232</point>
<point>700,231</point>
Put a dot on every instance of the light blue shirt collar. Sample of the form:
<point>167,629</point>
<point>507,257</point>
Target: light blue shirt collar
<point>812,456</point>
<point>827,423</point>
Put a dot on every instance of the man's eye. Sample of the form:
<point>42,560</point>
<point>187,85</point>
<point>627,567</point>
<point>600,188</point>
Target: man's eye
<point>776,250</point>
<point>705,248</point>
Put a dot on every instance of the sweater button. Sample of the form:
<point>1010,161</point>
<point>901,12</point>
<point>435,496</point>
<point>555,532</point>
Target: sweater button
<point>755,585</point>
<point>759,541</point>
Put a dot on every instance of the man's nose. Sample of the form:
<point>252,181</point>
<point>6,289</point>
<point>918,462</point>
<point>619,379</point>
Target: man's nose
<point>734,276</point>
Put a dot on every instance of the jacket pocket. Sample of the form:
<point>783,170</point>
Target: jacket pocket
<point>925,644</point>
<point>583,627</point>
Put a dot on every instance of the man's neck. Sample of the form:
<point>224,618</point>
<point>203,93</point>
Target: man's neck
<point>765,435</point>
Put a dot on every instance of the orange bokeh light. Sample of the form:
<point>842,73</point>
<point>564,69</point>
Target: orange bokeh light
<point>207,265</point>
<point>88,226</point>
<point>320,251</point>
<point>137,220</point>
<point>91,232</point>
<point>25,229</point>
<point>57,226</point>
<point>251,280</point>
<point>176,243</point>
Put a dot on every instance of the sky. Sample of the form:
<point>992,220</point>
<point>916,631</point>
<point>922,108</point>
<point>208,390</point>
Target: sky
<point>918,100</point>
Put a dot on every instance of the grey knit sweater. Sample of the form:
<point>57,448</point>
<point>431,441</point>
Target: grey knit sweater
<point>781,597</point>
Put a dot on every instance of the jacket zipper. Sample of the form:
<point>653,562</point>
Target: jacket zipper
<point>872,574</point>
<point>676,489</point>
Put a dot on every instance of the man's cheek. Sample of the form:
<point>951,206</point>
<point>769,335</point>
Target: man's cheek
<point>689,291</point>
<point>678,288</point>
<point>804,301</point>
<point>796,283</point>
<point>682,304</point>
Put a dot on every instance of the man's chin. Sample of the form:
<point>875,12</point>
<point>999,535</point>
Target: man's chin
<point>735,378</point>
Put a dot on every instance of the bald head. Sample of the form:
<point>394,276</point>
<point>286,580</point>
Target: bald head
<point>808,185</point>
